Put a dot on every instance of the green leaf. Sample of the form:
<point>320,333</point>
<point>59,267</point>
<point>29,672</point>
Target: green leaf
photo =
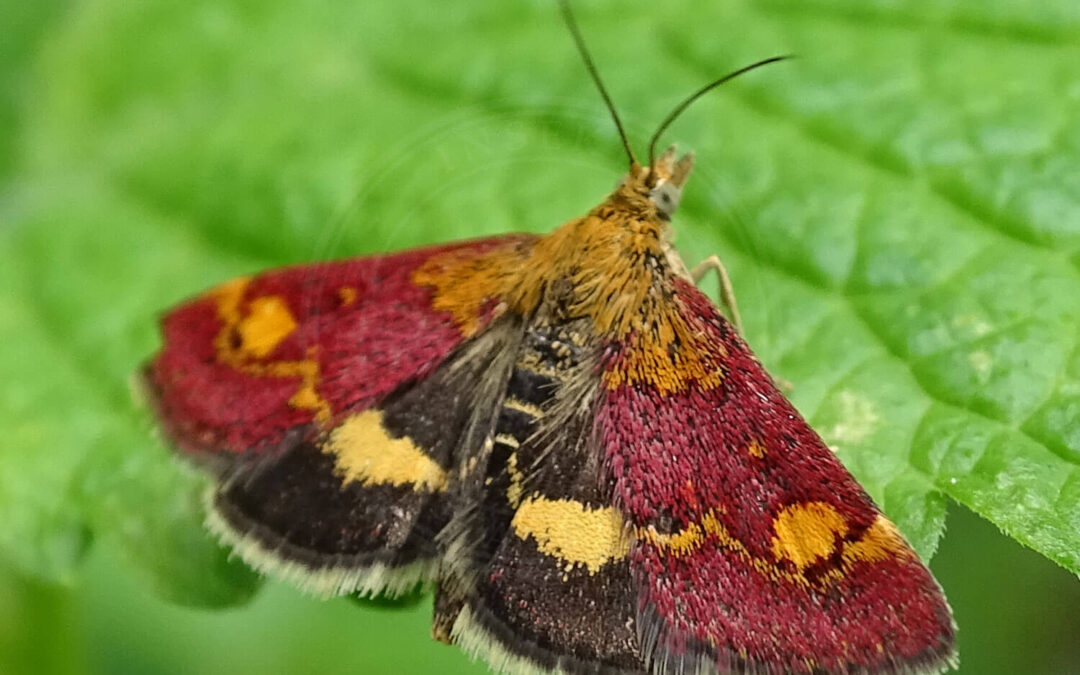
<point>46,429</point>
<point>24,23</point>
<point>77,459</point>
<point>152,509</point>
<point>899,209</point>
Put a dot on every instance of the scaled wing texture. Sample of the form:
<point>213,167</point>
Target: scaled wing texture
<point>755,549</point>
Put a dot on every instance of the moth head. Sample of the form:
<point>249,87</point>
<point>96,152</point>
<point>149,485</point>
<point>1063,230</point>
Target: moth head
<point>666,178</point>
<point>661,184</point>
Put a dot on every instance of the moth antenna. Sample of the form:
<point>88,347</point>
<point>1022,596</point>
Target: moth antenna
<point>571,23</point>
<point>698,94</point>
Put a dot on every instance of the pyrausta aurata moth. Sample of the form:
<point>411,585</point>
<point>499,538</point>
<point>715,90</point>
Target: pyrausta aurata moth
<point>562,435</point>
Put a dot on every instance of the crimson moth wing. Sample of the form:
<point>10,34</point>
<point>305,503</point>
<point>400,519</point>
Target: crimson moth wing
<point>255,358</point>
<point>755,551</point>
<point>329,399</point>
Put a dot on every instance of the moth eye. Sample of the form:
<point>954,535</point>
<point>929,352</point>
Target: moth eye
<point>666,198</point>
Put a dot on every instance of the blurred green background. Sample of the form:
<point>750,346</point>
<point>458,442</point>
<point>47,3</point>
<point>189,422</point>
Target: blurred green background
<point>900,210</point>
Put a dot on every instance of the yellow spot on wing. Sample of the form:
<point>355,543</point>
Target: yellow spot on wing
<point>572,532</point>
<point>806,533</point>
<point>649,359</point>
<point>229,295</point>
<point>880,541</point>
<point>306,397</point>
<point>756,449</point>
<point>695,535</point>
<point>464,281</point>
<point>267,323</point>
<point>347,294</point>
<point>689,538</point>
<point>365,453</point>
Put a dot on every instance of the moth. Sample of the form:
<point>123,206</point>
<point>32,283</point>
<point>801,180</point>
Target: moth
<point>562,435</point>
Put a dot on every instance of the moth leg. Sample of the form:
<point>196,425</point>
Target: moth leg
<point>727,293</point>
<point>727,297</point>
